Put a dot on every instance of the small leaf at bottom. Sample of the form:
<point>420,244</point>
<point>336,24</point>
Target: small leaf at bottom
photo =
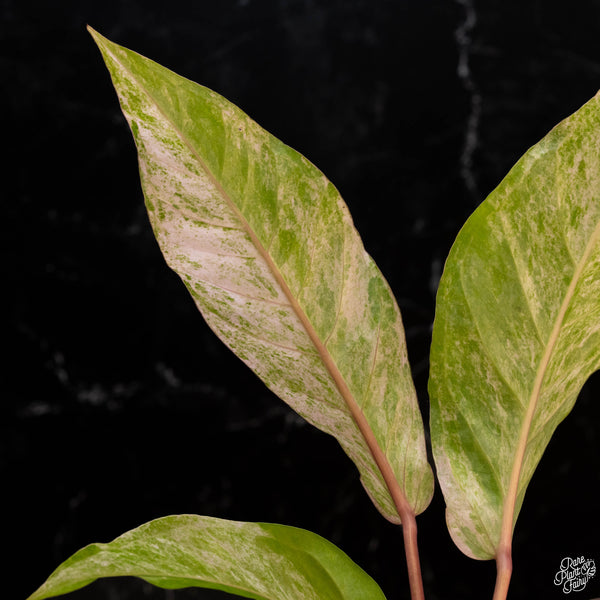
<point>252,560</point>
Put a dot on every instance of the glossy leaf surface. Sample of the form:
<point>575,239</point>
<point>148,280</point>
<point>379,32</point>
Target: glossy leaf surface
<point>267,248</point>
<point>517,330</point>
<point>252,560</point>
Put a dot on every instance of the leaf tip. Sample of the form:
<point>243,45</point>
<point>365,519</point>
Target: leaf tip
<point>100,40</point>
<point>93,33</point>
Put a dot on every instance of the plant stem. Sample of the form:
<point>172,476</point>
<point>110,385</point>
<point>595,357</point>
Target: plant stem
<point>503,572</point>
<point>409,530</point>
<point>405,511</point>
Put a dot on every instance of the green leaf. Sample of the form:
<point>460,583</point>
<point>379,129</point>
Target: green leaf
<point>267,248</point>
<point>253,560</point>
<point>517,330</point>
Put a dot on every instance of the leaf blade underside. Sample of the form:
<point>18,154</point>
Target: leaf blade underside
<point>517,330</point>
<point>253,560</point>
<point>268,250</point>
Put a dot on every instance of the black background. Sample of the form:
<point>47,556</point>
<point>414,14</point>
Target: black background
<point>120,405</point>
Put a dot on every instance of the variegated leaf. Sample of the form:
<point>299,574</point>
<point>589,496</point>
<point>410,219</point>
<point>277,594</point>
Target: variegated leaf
<point>517,330</point>
<point>268,250</point>
<point>252,560</point>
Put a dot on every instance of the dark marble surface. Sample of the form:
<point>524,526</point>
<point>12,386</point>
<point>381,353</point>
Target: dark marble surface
<point>120,405</point>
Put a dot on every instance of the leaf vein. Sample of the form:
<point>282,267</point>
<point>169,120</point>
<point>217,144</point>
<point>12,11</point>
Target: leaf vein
<point>483,347</point>
<point>243,294</point>
<point>527,300</point>
<point>342,291</point>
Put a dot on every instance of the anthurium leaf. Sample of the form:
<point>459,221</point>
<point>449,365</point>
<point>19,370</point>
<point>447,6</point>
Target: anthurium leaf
<point>252,560</point>
<point>267,248</point>
<point>517,330</point>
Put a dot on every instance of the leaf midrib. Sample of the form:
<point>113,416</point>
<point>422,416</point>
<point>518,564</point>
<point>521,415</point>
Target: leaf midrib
<point>402,505</point>
<point>515,478</point>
